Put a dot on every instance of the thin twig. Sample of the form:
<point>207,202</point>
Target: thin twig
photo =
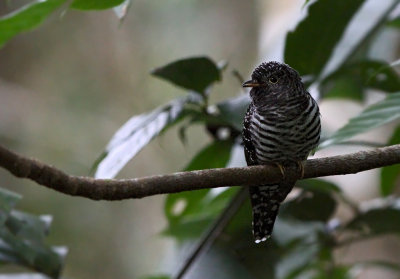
<point>214,231</point>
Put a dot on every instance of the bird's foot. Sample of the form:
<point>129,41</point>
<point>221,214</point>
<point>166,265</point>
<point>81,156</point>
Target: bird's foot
<point>300,164</point>
<point>281,168</point>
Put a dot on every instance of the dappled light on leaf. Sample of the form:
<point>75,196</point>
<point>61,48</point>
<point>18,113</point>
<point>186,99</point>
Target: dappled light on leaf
<point>134,135</point>
<point>374,116</point>
<point>309,47</point>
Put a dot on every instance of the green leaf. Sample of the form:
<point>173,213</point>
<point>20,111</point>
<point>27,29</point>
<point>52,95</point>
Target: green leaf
<point>94,4</point>
<point>303,207</point>
<point>196,73</point>
<point>27,226</point>
<point>350,80</point>
<point>374,116</point>
<point>380,219</point>
<point>34,255</point>
<point>390,174</point>
<point>136,133</point>
<point>189,213</point>
<point>316,193</point>
<point>314,184</point>
<point>26,18</point>
<point>342,87</point>
<point>309,47</point>
<point>232,111</point>
<point>394,23</point>
<point>215,155</point>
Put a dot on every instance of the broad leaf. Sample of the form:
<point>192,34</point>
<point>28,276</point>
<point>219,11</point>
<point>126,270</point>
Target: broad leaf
<point>26,18</point>
<point>374,116</point>
<point>135,134</point>
<point>390,175</point>
<point>309,47</point>
<point>382,218</point>
<point>22,238</point>
<point>350,80</point>
<point>37,256</point>
<point>189,213</point>
<point>394,22</point>
<point>342,87</point>
<point>233,110</point>
<point>27,226</point>
<point>94,4</point>
<point>316,193</point>
<point>8,200</point>
<point>195,74</point>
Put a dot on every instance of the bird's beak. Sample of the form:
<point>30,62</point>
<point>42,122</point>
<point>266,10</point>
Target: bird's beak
<point>251,83</point>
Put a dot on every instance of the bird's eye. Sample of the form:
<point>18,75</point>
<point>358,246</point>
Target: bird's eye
<point>273,80</point>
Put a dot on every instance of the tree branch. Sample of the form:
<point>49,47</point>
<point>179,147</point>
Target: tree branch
<point>118,189</point>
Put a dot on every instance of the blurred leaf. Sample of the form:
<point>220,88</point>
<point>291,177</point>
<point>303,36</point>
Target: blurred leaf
<point>22,238</point>
<point>303,207</point>
<point>342,87</point>
<point>374,116</point>
<point>27,226</point>
<point>215,155</point>
<point>36,256</point>
<point>26,18</point>
<point>233,110</point>
<point>380,219</point>
<point>316,193</point>
<point>297,258</point>
<point>390,174</point>
<point>94,4</point>
<point>315,184</point>
<point>309,47</point>
<point>122,9</point>
<point>380,264</point>
<point>8,200</point>
<point>394,22</point>
<point>135,134</point>
<point>189,213</point>
<point>350,80</point>
<point>191,73</point>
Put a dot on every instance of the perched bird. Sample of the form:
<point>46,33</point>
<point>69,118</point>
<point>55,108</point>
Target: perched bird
<point>281,127</point>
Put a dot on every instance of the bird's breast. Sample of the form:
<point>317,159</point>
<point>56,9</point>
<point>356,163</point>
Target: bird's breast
<point>281,136</point>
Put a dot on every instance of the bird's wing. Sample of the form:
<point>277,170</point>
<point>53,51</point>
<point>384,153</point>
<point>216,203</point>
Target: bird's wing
<point>249,149</point>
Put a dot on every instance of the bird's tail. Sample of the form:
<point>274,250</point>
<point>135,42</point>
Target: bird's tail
<point>265,201</point>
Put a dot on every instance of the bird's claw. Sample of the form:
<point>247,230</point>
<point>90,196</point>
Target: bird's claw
<point>300,164</point>
<point>282,169</point>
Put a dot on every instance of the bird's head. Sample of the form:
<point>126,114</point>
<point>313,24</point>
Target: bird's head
<point>274,81</point>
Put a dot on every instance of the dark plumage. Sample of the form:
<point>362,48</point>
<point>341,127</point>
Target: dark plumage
<point>281,126</point>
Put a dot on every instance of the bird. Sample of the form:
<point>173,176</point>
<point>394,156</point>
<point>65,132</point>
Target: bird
<point>281,127</point>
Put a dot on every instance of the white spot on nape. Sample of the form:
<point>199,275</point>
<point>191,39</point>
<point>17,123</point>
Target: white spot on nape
<point>179,207</point>
<point>257,241</point>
